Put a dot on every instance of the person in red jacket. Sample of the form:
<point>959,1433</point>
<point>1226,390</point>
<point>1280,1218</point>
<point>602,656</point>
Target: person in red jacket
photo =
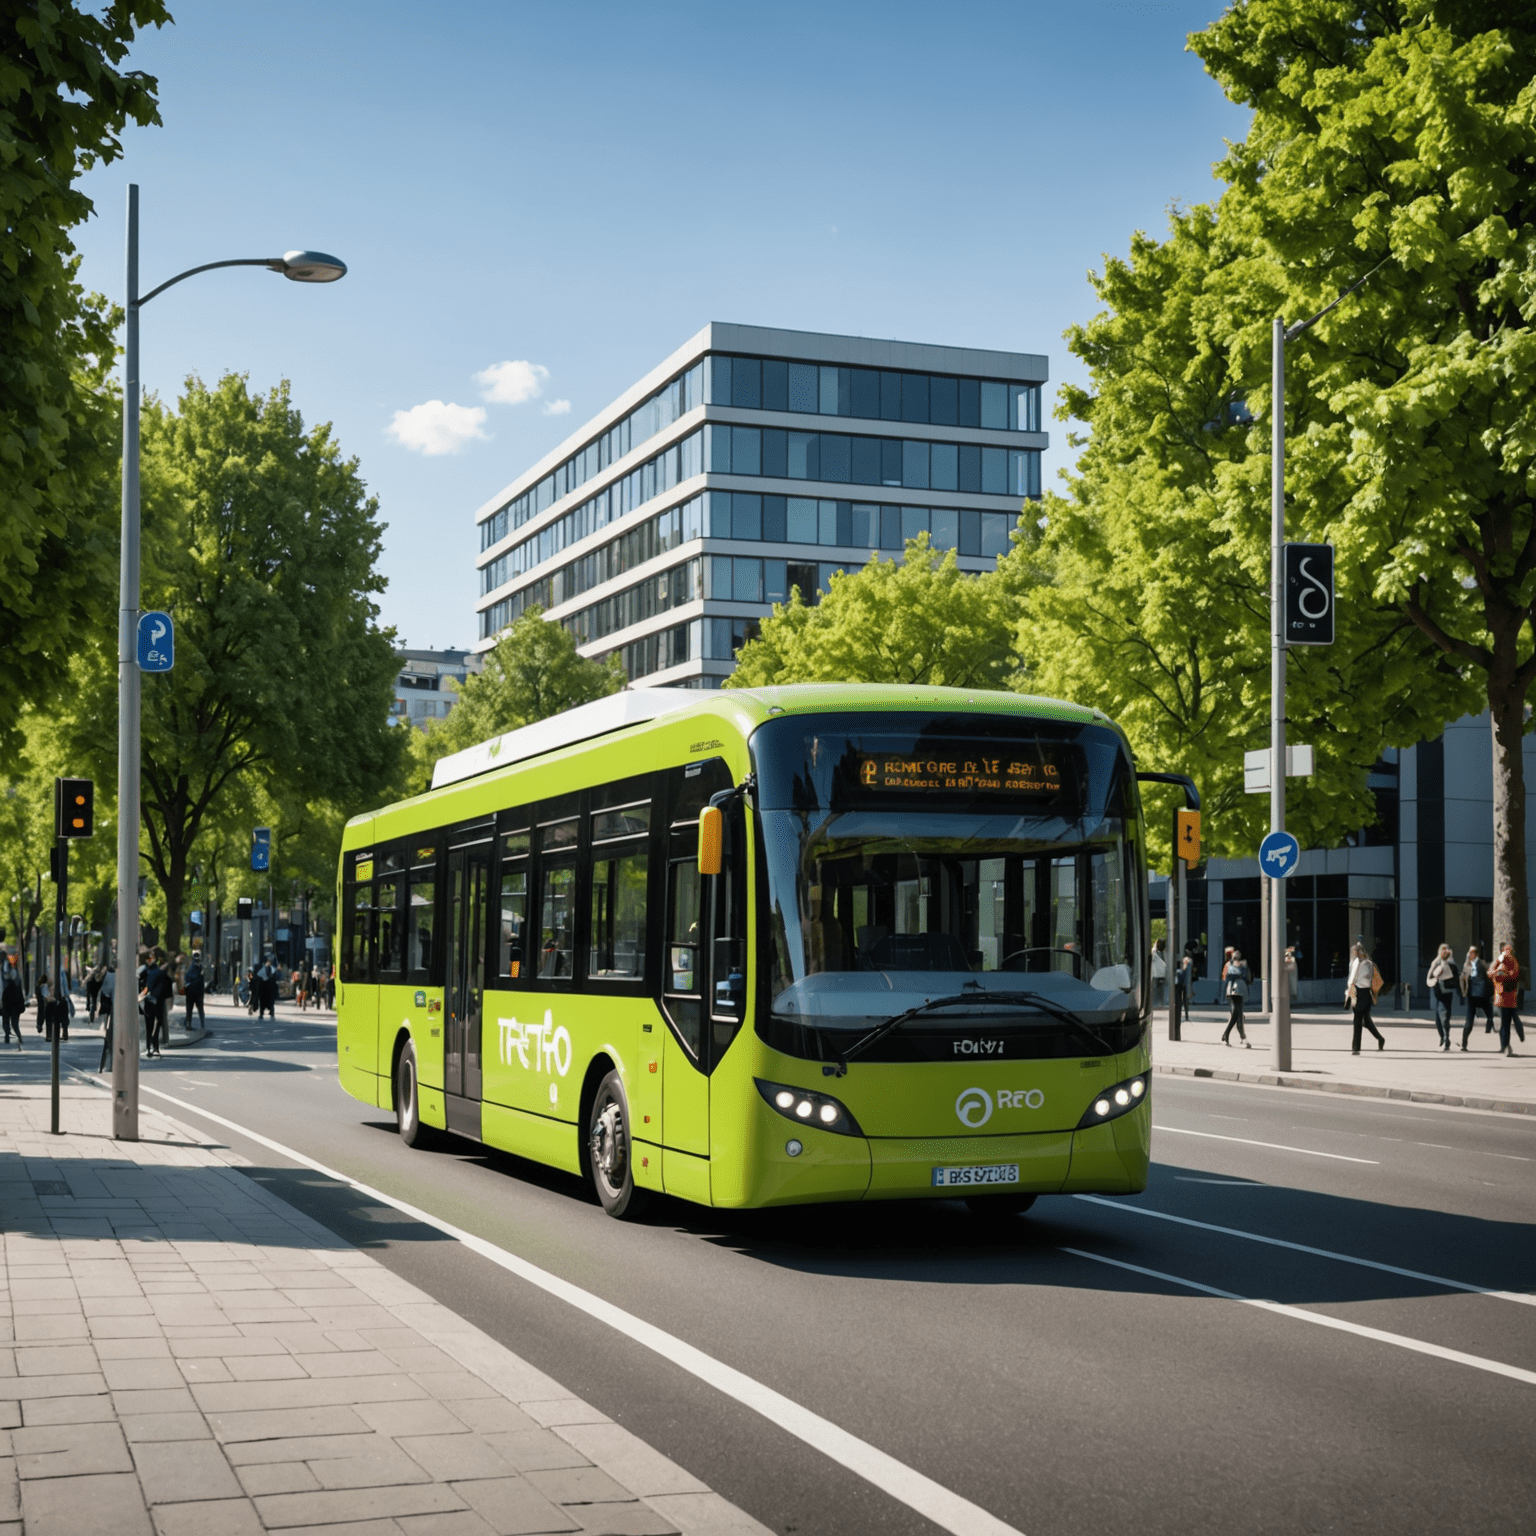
<point>1506,979</point>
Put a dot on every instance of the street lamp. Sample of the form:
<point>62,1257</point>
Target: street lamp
<point>298,267</point>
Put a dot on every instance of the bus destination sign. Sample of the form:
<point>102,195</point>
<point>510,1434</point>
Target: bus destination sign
<point>961,773</point>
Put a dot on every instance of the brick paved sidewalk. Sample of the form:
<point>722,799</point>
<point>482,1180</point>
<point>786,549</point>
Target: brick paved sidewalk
<point>184,1353</point>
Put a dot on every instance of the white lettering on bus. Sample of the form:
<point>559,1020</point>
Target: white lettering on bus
<point>538,1047</point>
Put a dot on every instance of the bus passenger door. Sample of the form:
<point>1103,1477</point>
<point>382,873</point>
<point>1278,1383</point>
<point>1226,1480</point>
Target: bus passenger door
<point>469,871</point>
<point>684,1064</point>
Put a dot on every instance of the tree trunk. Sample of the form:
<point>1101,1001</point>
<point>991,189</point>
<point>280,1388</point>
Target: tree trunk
<point>1511,908</point>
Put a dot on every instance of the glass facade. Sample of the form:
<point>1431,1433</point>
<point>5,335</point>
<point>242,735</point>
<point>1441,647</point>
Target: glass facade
<point>819,389</point>
<point>802,500</point>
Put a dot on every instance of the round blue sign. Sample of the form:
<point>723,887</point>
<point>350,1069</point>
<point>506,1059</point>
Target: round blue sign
<point>1279,854</point>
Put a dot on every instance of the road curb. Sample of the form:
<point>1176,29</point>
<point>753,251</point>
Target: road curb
<point>1356,1090</point>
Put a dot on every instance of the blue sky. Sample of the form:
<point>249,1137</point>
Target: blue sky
<point>580,187</point>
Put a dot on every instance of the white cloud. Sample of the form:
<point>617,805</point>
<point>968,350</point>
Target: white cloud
<point>436,428</point>
<point>558,408</point>
<point>512,382</point>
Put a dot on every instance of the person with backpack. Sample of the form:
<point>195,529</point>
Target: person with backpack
<point>1441,982</point>
<point>266,989</point>
<point>13,997</point>
<point>1506,977</point>
<point>1235,978</point>
<point>195,984</point>
<point>1477,988</point>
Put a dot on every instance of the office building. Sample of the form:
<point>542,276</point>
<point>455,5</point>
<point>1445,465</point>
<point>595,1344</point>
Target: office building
<point>427,685</point>
<point>750,462</point>
<point>1422,875</point>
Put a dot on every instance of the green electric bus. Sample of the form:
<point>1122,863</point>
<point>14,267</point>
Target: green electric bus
<point>766,946</point>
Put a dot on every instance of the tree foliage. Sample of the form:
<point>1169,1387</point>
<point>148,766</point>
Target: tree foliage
<point>261,541</point>
<point>1391,139</point>
<point>63,104</point>
<point>533,671</point>
<point>920,620</point>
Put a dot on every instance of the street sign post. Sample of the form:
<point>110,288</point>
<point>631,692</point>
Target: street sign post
<point>261,848</point>
<point>156,642</point>
<point>1309,594</point>
<point>1279,854</point>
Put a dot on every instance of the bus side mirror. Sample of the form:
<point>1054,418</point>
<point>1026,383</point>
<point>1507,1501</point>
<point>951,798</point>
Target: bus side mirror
<point>711,840</point>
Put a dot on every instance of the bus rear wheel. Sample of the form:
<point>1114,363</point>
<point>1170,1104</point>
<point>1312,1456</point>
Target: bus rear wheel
<point>997,1206</point>
<point>408,1100</point>
<point>611,1150</point>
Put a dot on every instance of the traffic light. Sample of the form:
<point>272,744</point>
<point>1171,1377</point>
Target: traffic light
<point>243,909</point>
<point>1188,828</point>
<point>74,807</point>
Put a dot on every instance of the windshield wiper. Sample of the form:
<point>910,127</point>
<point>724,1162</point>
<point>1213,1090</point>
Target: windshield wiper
<point>978,994</point>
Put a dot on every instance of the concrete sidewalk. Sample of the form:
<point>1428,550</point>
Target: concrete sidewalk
<point>184,1353</point>
<point>1411,1067</point>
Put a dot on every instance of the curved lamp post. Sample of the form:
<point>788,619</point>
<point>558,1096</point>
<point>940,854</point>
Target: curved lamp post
<point>298,267</point>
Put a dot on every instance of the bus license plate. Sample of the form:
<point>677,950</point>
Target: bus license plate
<point>976,1173</point>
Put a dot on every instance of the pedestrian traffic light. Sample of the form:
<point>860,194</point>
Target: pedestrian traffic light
<point>1188,826</point>
<point>74,807</point>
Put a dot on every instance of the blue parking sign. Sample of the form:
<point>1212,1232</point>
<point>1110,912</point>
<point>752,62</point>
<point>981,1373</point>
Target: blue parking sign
<point>1279,854</point>
<point>157,642</point>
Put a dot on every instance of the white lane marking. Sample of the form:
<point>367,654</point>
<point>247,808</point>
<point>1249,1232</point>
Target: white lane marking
<point>1323,1320</point>
<point>1183,1178</point>
<point>946,1509</point>
<point>1320,1253</point>
<point>1274,1146</point>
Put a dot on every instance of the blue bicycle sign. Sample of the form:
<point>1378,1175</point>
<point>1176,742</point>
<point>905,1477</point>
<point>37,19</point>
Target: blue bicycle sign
<point>1279,854</point>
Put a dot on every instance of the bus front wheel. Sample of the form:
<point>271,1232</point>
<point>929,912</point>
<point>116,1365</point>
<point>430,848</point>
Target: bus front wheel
<point>408,1100</point>
<point>612,1150</point>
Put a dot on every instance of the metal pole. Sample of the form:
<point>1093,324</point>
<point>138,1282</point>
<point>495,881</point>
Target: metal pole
<point>125,1049</point>
<point>1280,992</point>
<point>1175,936</point>
<point>58,1001</point>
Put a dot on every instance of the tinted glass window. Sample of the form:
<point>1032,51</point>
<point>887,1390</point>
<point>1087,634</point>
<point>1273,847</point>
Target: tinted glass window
<point>617,950</point>
<point>944,467</point>
<point>969,399</point>
<point>994,406</point>
<point>914,397</point>
<point>747,383</point>
<point>864,393</point>
<point>834,456</point>
<point>423,917</point>
<point>514,919</point>
<point>890,397</point>
<point>391,936</point>
<point>943,402</point>
<point>557,919</point>
<point>775,385</point>
<point>804,389</point>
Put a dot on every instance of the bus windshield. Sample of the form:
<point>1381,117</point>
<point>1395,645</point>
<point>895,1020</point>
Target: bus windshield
<point>912,858</point>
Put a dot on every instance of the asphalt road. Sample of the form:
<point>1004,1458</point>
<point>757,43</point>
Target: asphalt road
<point>1061,1392</point>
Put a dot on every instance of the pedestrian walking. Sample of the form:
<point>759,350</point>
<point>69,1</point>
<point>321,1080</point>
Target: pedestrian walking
<point>106,1000</point>
<point>1184,983</point>
<point>1442,982</point>
<point>13,996</point>
<point>1236,977</point>
<point>156,998</point>
<point>1292,973</point>
<point>1360,994</point>
<point>330,987</point>
<point>1506,977</point>
<point>195,984</point>
<point>1477,988</point>
<point>93,991</point>
<point>1159,970</point>
<point>266,989</point>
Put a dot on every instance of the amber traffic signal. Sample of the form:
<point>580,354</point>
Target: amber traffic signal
<point>74,807</point>
<point>1188,827</point>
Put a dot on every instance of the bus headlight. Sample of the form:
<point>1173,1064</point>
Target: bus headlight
<point>1116,1101</point>
<point>807,1108</point>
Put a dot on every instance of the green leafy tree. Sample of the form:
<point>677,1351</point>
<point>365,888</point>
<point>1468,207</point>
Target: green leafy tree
<point>63,103</point>
<point>532,672</point>
<point>1398,137</point>
<point>919,620</point>
<point>262,542</point>
<point>1150,590</point>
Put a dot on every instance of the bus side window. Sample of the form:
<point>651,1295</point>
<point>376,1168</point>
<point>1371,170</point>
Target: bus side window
<point>682,977</point>
<point>512,959</point>
<point>357,954</point>
<point>421,896</point>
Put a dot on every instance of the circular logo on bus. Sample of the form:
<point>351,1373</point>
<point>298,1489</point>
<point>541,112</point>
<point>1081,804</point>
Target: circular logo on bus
<point>974,1108</point>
